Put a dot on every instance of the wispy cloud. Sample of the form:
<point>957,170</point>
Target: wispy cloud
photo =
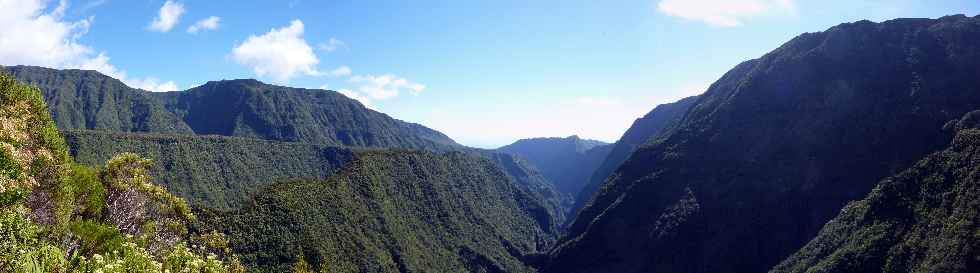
<point>332,45</point>
<point>724,13</point>
<point>169,15</point>
<point>54,42</point>
<point>385,86</point>
<point>340,72</point>
<point>366,101</point>
<point>91,5</point>
<point>210,23</point>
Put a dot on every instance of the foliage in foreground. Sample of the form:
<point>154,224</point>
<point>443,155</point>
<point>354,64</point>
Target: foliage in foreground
<point>56,216</point>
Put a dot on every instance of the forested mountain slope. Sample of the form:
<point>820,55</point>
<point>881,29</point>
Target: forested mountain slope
<point>82,99</point>
<point>922,220</point>
<point>643,129</point>
<point>777,146</point>
<point>251,108</point>
<point>85,99</point>
<point>528,178</point>
<point>215,171</point>
<point>567,162</point>
<point>394,211</point>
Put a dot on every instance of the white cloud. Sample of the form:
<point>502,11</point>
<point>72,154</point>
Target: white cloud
<point>280,53</point>
<point>340,71</point>
<point>332,44</point>
<point>210,23</point>
<point>29,36</point>
<point>385,86</point>
<point>153,84</point>
<point>724,13</point>
<point>366,101</point>
<point>324,87</point>
<point>170,13</point>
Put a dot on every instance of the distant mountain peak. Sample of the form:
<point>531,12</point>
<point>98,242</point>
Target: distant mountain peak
<point>568,162</point>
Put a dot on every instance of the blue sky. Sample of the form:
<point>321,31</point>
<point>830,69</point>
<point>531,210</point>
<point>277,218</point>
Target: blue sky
<point>484,72</point>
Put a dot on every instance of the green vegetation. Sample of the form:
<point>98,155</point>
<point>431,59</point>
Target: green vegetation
<point>525,176</point>
<point>655,123</point>
<point>392,211</point>
<point>921,220</point>
<point>82,99</point>
<point>56,216</point>
<point>249,108</point>
<point>778,145</point>
<point>213,171</point>
<point>567,162</point>
<point>244,108</point>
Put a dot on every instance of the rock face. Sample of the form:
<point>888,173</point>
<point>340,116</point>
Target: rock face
<point>567,162</point>
<point>651,125</point>
<point>777,146</point>
<point>921,220</point>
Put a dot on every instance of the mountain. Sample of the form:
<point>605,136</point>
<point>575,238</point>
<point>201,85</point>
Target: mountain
<point>567,162</point>
<point>394,211</point>
<point>82,99</point>
<point>920,220</point>
<point>775,148</point>
<point>471,209</point>
<point>214,171</point>
<point>222,172</point>
<point>250,108</point>
<point>643,129</point>
<point>57,216</point>
<point>529,179</point>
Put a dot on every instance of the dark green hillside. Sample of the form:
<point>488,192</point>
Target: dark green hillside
<point>249,108</point>
<point>567,162</point>
<point>921,220</point>
<point>777,146</point>
<point>643,129</point>
<point>535,184</point>
<point>84,99</point>
<point>393,211</point>
<point>216,171</point>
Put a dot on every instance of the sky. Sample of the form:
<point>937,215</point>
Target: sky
<point>486,73</point>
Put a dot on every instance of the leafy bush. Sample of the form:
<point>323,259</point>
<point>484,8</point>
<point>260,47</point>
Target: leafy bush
<point>77,219</point>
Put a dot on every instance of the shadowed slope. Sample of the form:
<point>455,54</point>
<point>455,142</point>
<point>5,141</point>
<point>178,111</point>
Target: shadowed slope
<point>777,146</point>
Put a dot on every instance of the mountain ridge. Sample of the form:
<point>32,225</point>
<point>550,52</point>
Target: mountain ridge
<point>436,218</point>
<point>919,220</point>
<point>565,161</point>
<point>777,146</point>
<point>643,129</point>
<point>85,99</point>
